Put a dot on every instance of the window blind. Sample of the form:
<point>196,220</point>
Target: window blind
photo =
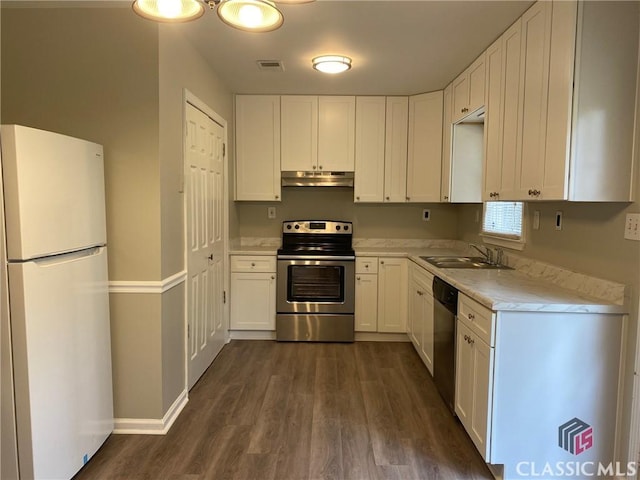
<point>503,219</point>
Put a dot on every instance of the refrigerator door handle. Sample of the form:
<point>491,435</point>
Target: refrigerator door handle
<point>67,257</point>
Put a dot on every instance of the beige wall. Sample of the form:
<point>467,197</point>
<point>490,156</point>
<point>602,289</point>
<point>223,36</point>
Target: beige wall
<point>369,220</point>
<point>93,74</point>
<point>181,67</point>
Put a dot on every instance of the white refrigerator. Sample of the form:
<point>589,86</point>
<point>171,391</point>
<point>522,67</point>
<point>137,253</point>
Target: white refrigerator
<point>58,295</point>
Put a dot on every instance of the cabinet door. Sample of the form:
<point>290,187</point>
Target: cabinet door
<point>424,161</point>
<point>447,112</point>
<point>464,375</point>
<point>257,147</point>
<point>299,130</point>
<point>481,405</point>
<point>533,95</point>
<point>460,96</point>
<point>336,133</point>
<point>253,301</point>
<point>492,123</point>
<point>511,41</point>
<point>392,295</point>
<point>414,314</point>
<point>477,76</point>
<point>366,312</point>
<point>369,161</point>
<point>395,151</point>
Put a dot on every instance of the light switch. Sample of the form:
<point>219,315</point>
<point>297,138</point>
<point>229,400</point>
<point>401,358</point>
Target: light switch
<point>271,212</point>
<point>632,226</point>
<point>536,220</point>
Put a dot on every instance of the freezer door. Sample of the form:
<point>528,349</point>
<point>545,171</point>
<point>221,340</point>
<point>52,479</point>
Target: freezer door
<point>62,361</point>
<point>54,192</point>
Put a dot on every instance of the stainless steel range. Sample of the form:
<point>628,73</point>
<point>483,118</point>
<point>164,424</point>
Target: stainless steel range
<point>315,298</point>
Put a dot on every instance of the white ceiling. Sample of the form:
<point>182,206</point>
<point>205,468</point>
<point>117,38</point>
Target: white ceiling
<point>398,47</point>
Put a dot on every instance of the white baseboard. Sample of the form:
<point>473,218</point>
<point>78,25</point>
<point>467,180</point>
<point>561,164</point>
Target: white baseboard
<point>151,426</point>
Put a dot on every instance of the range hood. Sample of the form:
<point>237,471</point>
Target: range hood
<point>317,179</point>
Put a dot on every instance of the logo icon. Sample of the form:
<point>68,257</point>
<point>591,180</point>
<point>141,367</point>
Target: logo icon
<point>575,436</point>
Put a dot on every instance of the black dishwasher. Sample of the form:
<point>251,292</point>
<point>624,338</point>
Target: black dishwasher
<point>445,308</point>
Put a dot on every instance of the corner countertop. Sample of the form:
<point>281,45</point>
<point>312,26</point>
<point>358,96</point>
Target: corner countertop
<point>502,289</point>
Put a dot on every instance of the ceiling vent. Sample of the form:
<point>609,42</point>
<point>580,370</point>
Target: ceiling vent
<point>271,65</point>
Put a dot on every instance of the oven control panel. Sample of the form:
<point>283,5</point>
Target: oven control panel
<point>317,226</point>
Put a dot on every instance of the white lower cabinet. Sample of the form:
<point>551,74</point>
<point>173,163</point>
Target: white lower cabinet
<point>392,295</point>
<point>420,317</point>
<point>381,294</point>
<point>474,370</point>
<point>253,292</point>
<point>534,372</point>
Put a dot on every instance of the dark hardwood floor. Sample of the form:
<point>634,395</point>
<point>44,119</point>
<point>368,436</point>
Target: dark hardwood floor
<point>267,410</point>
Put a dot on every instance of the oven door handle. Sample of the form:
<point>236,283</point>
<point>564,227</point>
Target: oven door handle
<point>318,257</point>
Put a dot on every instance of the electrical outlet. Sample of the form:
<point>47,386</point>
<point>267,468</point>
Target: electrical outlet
<point>536,220</point>
<point>632,226</point>
<point>558,220</point>
<point>426,215</point>
<point>271,212</point>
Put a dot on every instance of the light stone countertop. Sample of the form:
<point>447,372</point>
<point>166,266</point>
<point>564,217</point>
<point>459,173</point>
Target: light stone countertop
<point>531,287</point>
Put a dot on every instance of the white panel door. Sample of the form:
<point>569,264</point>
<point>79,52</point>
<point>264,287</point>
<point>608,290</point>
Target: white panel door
<point>205,193</point>
<point>257,147</point>
<point>369,164</point>
<point>395,150</point>
<point>336,133</point>
<point>424,161</point>
<point>299,133</point>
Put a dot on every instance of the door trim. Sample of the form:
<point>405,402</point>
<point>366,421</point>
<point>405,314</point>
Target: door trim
<point>190,98</point>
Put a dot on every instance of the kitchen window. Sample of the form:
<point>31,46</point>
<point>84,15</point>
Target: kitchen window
<point>502,224</point>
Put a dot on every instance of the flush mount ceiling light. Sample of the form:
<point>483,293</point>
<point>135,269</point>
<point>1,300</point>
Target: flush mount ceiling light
<point>169,10</point>
<point>250,15</point>
<point>331,63</point>
<point>247,15</point>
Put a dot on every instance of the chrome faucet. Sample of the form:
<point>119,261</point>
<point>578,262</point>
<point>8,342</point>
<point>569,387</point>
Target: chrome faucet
<point>487,253</point>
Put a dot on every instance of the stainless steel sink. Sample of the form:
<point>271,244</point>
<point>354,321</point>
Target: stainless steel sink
<point>463,262</point>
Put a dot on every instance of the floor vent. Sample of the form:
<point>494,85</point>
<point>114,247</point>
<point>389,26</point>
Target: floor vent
<point>271,65</point>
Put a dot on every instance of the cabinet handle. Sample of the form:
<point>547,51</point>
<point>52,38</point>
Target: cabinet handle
<point>464,110</point>
<point>466,338</point>
<point>210,257</point>
<point>471,316</point>
<point>534,192</point>
<point>419,292</point>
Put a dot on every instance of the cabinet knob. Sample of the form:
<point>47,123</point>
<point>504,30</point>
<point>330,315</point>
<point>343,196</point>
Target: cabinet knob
<point>277,197</point>
<point>464,110</point>
<point>314,167</point>
<point>471,316</point>
<point>419,292</point>
<point>273,277</point>
<point>358,278</point>
<point>387,198</point>
<point>445,197</point>
<point>210,257</point>
<point>357,198</point>
<point>253,264</point>
<point>319,167</point>
<point>381,262</point>
<point>408,198</point>
<point>534,192</point>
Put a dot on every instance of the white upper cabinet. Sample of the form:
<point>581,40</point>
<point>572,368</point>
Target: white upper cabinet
<point>257,147</point>
<point>424,161</point>
<point>447,121</point>
<point>336,133</point>
<point>468,90</point>
<point>299,133</point>
<point>565,123</point>
<point>318,133</point>
<point>370,141</point>
<point>395,152</point>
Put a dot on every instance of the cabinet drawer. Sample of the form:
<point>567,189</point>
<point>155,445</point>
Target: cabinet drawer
<point>479,318</point>
<point>253,263</point>
<point>423,278</point>
<point>366,264</point>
